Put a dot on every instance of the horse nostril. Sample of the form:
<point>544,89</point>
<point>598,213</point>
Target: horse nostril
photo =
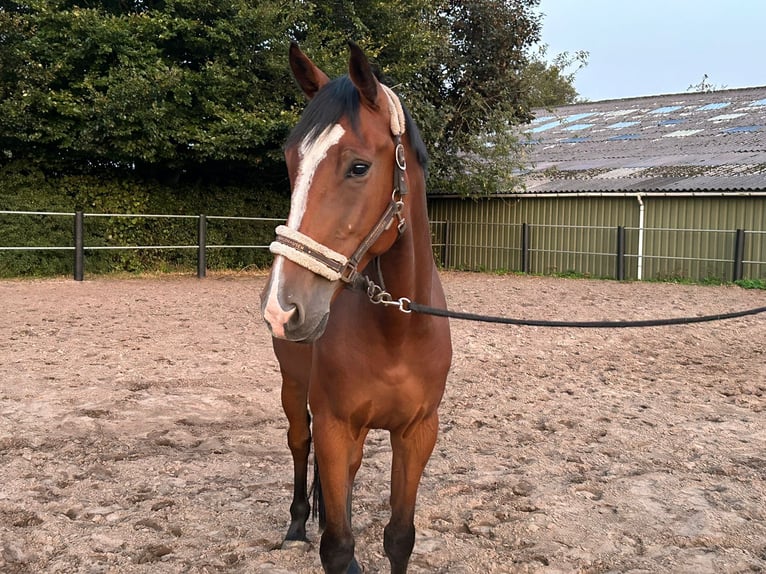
<point>277,316</point>
<point>294,315</point>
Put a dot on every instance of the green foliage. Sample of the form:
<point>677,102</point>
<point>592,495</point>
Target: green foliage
<point>470,94</point>
<point>398,36</point>
<point>705,86</point>
<point>713,280</point>
<point>182,106</point>
<point>181,89</point>
<point>752,283</point>
<point>171,88</point>
<point>548,85</point>
<point>26,188</point>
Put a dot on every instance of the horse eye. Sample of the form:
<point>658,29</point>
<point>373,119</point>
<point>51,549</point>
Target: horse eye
<point>359,169</point>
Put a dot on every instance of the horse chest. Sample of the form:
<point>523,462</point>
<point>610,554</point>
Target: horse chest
<point>384,397</point>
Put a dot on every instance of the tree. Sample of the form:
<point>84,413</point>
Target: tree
<point>398,36</point>
<point>173,89</point>
<point>548,85</point>
<point>705,86</point>
<point>471,93</point>
<point>165,87</point>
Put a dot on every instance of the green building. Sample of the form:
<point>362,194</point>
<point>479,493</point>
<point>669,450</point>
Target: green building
<point>674,183</point>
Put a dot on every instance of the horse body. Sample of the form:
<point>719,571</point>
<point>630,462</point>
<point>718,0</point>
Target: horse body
<point>359,366</point>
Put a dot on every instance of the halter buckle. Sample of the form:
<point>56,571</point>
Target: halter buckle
<point>402,225</point>
<point>348,272</point>
<point>398,208</point>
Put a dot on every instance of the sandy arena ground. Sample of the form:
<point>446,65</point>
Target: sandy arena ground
<point>140,431</point>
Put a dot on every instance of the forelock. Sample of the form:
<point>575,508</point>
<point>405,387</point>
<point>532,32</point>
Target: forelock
<point>337,99</point>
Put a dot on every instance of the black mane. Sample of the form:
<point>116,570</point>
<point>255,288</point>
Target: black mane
<point>337,99</point>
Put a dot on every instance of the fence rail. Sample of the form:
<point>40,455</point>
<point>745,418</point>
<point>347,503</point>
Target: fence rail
<point>604,251</point>
<point>597,250</point>
<point>80,248</point>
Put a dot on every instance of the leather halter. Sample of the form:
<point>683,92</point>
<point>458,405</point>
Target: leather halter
<point>333,266</point>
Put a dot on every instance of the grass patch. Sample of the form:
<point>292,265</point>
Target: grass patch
<point>751,283</point>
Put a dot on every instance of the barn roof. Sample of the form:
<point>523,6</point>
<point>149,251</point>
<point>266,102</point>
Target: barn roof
<point>691,143</point>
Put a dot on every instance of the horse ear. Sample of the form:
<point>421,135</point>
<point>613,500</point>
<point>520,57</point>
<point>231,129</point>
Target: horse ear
<point>360,72</point>
<point>310,78</point>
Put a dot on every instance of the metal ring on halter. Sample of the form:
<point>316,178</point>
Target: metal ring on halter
<point>401,160</point>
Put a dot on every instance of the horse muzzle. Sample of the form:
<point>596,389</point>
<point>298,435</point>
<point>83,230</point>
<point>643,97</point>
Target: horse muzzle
<point>296,307</point>
<point>298,313</point>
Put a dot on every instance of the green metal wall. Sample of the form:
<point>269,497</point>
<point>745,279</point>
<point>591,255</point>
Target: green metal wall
<point>674,248</point>
<point>579,234</point>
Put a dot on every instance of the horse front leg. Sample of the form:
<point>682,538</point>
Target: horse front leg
<point>411,451</point>
<point>339,456</point>
<point>299,441</point>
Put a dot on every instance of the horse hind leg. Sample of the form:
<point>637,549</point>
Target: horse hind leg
<point>317,507</point>
<point>411,451</point>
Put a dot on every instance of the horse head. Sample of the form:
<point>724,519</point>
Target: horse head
<point>344,158</point>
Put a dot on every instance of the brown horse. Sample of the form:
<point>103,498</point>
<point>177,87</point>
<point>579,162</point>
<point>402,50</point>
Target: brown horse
<point>358,365</point>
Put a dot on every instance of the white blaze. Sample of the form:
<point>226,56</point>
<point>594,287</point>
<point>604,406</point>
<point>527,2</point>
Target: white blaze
<point>310,156</point>
<point>273,313</point>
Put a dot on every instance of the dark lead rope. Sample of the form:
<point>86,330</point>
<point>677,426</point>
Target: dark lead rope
<point>425,309</point>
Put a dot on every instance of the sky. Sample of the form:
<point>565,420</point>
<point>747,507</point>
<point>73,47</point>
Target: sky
<point>650,47</point>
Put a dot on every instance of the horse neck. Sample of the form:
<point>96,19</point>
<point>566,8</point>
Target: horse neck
<point>408,266</point>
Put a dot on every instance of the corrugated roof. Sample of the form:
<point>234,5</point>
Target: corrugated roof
<point>692,142</point>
